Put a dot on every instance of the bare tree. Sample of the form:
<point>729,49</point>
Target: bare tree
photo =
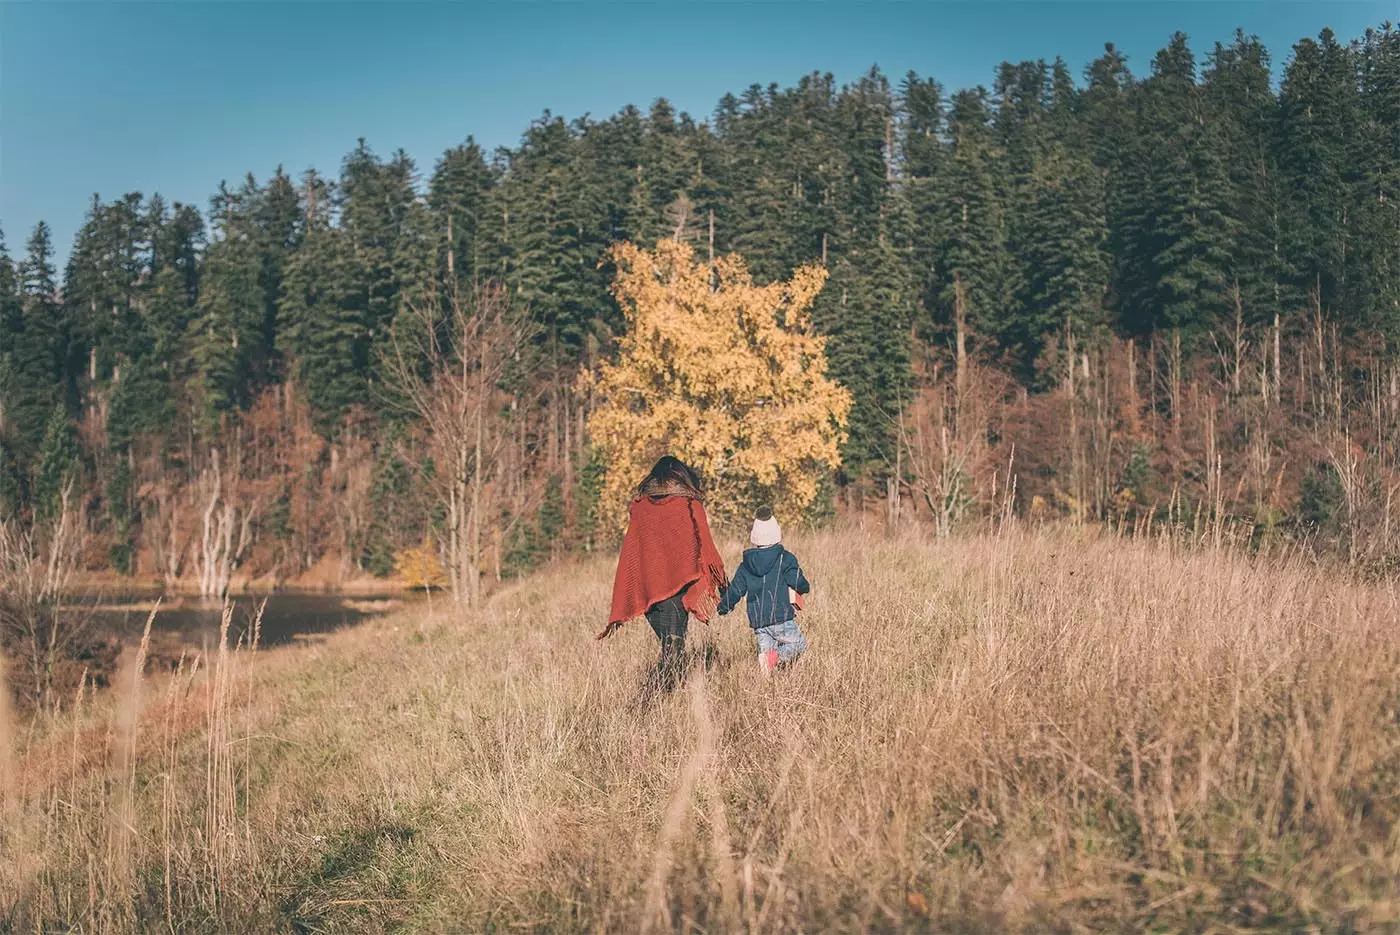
<point>162,497</point>
<point>944,455</point>
<point>37,624</point>
<point>448,356</point>
<point>226,531</point>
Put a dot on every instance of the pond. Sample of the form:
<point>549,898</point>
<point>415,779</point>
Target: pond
<point>286,618</point>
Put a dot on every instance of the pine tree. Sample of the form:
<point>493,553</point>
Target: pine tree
<point>1186,230</point>
<point>587,496</point>
<point>460,193</point>
<point>39,355</point>
<point>1064,107</point>
<point>11,329</point>
<point>923,162</point>
<point>398,516</point>
<point>666,160</point>
<point>866,310</point>
<point>549,522</point>
<point>1022,127</point>
<point>11,490</point>
<point>172,291</point>
<point>973,256</point>
<point>767,218</point>
<point>144,400</point>
<point>175,242</point>
<point>534,196</point>
<point>102,284</point>
<point>374,200</point>
<point>276,217</point>
<point>58,463</point>
<point>1110,125</point>
<point>1377,250</point>
<point>121,512</point>
<point>323,314</point>
<point>1022,97</point>
<point>1317,129</point>
<point>868,327</point>
<point>1063,255</point>
<point>1239,99</point>
<point>228,332</point>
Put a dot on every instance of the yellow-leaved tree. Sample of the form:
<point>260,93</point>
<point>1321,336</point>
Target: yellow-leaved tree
<point>722,373</point>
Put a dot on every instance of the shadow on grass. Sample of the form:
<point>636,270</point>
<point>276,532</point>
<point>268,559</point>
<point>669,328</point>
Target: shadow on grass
<point>367,877</point>
<point>659,681</point>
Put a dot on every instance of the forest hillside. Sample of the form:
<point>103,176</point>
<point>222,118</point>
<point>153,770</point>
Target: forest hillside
<point>1169,293</point>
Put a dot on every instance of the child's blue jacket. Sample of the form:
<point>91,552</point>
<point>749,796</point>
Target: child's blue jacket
<point>764,577</point>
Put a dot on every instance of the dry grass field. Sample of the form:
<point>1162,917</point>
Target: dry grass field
<point>1028,732</point>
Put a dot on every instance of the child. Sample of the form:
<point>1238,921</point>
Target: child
<point>769,577</point>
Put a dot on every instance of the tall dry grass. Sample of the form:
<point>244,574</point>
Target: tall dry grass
<point>1035,732</point>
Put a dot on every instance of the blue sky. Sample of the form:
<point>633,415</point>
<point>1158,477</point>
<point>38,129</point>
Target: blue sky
<point>172,97</point>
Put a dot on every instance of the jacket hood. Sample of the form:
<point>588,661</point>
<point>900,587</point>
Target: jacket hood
<point>763,560</point>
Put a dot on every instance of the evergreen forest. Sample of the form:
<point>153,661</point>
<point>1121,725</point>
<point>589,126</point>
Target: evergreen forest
<point>1158,295</point>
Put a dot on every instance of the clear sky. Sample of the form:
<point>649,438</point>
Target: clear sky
<point>112,97</point>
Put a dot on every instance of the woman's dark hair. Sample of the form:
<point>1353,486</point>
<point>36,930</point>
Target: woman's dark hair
<point>670,476</point>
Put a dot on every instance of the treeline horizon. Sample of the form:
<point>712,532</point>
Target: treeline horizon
<point>1059,266</point>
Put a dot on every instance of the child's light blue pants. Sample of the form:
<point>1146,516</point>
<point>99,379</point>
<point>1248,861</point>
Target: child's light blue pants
<point>786,638</point>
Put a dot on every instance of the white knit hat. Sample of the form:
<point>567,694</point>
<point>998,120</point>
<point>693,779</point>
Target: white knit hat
<point>766,530</point>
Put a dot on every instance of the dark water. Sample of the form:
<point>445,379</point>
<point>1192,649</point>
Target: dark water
<point>285,618</point>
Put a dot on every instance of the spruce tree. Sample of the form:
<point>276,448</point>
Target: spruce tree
<point>1186,229</point>
<point>102,284</point>
<point>374,200</point>
<point>1063,255</point>
<point>11,489</point>
<point>228,331</point>
<point>144,401</point>
<point>326,335</point>
<point>973,257</point>
<point>276,219</point>
<point>923,155</point>
<point>1239,99</point>
<point>1377,251</point>
<point>1109,123</point>
<point>765,222</point>
<point>550,519</point>
<point>1022,127</point>
<point>39,355</point>
<point>533,197</point>
<point>58,463</point>
<point>141,403</point>
<point>1317,132</point>
<point>866,309</point>
<point>589,314</point>
<point>176,241</point>
<point>460,194</point>
<point>11,328</point>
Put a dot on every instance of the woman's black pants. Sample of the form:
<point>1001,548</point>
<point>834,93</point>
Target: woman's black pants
<point>668,619</point>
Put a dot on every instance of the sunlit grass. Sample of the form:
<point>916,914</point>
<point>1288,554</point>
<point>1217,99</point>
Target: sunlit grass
<point>1032,732</point>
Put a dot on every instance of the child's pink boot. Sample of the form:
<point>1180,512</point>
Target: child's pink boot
<point>768,661</point>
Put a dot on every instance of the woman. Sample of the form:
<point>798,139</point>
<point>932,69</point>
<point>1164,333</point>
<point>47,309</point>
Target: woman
<point>669,566</point>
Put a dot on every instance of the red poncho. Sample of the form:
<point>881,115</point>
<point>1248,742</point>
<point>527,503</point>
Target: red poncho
<point>667,547</point>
